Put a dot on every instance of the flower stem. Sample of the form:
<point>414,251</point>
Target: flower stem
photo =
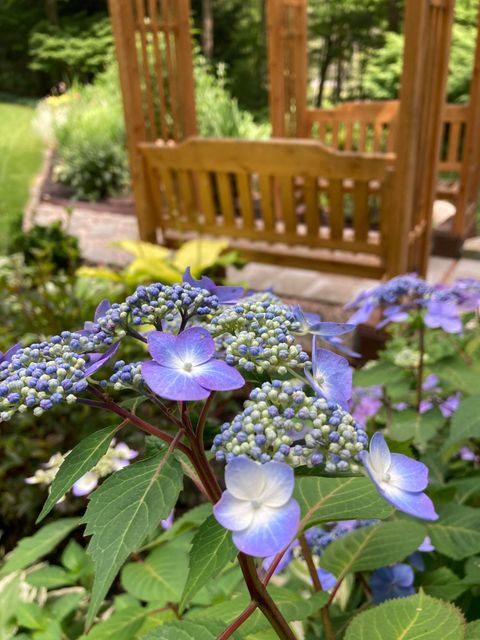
<point>324,611</point>
<point>237,623</point>
<point>421,348</point>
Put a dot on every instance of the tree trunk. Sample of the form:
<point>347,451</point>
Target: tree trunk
<point>322,72</point>
<point>393,16</point>
<point>207,29</point>
<point>51,11</point>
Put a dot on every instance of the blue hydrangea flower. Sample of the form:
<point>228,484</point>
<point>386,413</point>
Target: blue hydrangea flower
<point>311,323</point>
<point>8,355</point>
<point>258,506</point>
<point>225,294</point>
<point>183,366</point>
<point>331,376</point>
<point>97,360</point>
<point>100,311</point>
<point>443,315</point>
<point>392,582</point>
<point>398,478</point>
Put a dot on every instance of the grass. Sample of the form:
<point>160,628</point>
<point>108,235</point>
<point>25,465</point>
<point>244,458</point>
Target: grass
<point>20,160</point>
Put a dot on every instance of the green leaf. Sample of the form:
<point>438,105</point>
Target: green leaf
<point>466,488</point>
<point>31,616</point>
<point>472,571</point>
<point>372,547</point>
<point>292,605</point>
<point>442,583</point>
<point>31,549</point>
<point>212,549</point>
<point>50,577</point>
<point>190,520</point>
<point>377,374</point>
<point>81,459</point>
<point>325,499</point>
<point>456,533</point>
<point>409,425</point>
<point>63,606</point>
<point>458,374</point>
<point>76,559</point>
<point>161,577</point>
<point>122,625</point>
<point>10,593</point>
<point>411,618</point>
<point>123,511</point>
<point>186,630</point>
<point>473,630</point>
<point>465,422</point>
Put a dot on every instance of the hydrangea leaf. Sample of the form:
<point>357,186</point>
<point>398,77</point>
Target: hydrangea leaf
<point>456,534</point>
<point>63,606</point>
<point>372,547</point>
<point>420,428</point>
<point>123,511</point>
<point>50,577</point>
<point>190,520</point>
<point>292,605</point>
<point>81,459</point>
<point>377,374</point>
<point>31,616</point>
<point>31,549</point>
<point>212,549</point>
<point>473,630</point>
<point>460,375</point>
<point>442,583</point>
<point>161,577</point>
<point>186,630</point>
<point>418,616</point>
<point>465,422</point>
<point>122,625</point>
<point>325,499</point>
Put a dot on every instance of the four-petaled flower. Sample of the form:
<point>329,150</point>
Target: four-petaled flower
<point>183,366</point>
<point>443,315</point>
<point>398,478</point>
<point>331,376</point>
<point>258,506</point>
<point>392,582</point>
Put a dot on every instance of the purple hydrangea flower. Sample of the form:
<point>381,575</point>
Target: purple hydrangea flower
<point>467,454</point>
<point>443,315</point>
<point>367,402</point>
<point>258,506</point>
<point>327,579</point>
<point>398,478</point>
<point>450,405</point>
<point>8,355</point>
<point>331,376</point>
<point>311,323</point>
<point>392,582</point>
<point>225,295</point>
<point>100,311</point>
<point>183,366</point>
<point>97,360</point>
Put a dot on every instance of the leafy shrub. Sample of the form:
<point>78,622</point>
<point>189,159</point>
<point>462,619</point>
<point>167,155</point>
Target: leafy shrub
<point>78,48</point>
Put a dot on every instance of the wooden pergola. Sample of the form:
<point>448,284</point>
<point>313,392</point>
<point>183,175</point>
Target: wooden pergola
<point>295,201</point>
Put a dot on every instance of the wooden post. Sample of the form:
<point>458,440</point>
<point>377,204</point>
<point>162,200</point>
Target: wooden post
<point>186,82</point>
<point>428,26</point>
<point>123,26</point>
<point>464,221</point>
<point>287,65</point>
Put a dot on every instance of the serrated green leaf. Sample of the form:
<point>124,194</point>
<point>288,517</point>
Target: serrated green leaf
<point>326,499</point>
<point>122,625</point>
<point>442,583</point>
<point>50,577</point>
<point>81,459</point>
<point>123,511</point>
<point>161,577</point>
<point>31,616</point>
<point>465,422</point>
<point>372,547</point>
<point>186,630</point>
<point>456,533</point>
<point>190,520</point>
<point>473,630</point>
<point>411,618</point>
<point>31,549</point>
<point>212,549</point>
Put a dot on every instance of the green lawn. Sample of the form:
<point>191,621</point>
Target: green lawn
<point>20,160</point>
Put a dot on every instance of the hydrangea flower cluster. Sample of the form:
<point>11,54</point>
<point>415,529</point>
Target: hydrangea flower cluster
<point>152,305</point>
<point>256,335</point>
<point>117,456</point>
<point>45,374</point>
<point>127,375</point>
<point>281,422</point>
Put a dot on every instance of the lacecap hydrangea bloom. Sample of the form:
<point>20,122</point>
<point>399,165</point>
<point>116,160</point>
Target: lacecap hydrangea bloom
<point>281,422</point>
